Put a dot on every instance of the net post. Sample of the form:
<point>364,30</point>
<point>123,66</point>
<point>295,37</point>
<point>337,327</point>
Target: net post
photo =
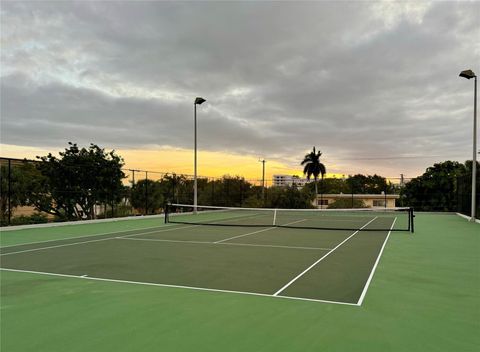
<point>166,213</point>
<point>411,217</point>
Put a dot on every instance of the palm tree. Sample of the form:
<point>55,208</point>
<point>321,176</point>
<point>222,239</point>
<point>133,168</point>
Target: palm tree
<point>313,166</point>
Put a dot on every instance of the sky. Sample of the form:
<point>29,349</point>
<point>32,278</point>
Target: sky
<point>373,85</point>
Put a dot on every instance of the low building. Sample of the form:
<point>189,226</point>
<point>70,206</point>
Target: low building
<point>371,200</point>
<point>289,180</point>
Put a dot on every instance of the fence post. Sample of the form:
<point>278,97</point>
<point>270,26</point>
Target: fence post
<point>352,193</point>
<point>385,197</point>
<point>146,193</point>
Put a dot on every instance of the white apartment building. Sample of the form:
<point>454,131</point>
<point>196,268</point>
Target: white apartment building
<point>289,180</point>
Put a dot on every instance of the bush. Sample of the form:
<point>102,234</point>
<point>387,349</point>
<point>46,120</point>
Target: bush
<point>36,218</point>
<point>344,203</point>
<point>120,211</point>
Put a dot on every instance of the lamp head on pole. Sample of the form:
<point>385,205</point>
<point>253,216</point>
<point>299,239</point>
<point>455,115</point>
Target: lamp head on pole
<point>199,101</point>
<point>467,74</point>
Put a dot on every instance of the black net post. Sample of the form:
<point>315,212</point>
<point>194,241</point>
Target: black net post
<point>167,210</point>
<point>411,220</point>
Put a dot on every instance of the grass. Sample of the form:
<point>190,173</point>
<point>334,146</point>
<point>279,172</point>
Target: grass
<point>424,297</point>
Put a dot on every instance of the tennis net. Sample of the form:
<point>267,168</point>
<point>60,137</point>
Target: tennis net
<point>367,219</point>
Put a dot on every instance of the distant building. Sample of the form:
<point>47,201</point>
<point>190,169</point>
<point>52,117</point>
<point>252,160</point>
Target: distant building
<point>370,200</point>
<point>289,180</point>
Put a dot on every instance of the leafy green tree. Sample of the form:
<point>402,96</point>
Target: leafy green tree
<point>436,189</point>
<point>148,196</point>
<point>71,185</point>
<point>20,174</point>
<point>288,198</point>
<point>172,186</point>
<point>361,184</point>
<point>226,191</point>
<point>329,185</point>
<point>313,166</point>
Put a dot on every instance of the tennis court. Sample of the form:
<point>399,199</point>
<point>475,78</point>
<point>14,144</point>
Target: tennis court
<point>321,256</point>
<point>422,295</point>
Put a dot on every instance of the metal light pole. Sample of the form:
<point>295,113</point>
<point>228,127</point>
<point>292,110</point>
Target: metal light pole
<point>470,74</point>
<point>197,101</point>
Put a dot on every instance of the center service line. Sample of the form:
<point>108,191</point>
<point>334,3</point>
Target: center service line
<point>319,260</point>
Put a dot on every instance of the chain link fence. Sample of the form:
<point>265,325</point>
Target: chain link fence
<point>144,192</point>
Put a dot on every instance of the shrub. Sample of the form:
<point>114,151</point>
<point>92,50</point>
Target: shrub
<point>35,218</point>
<point>344,203</point>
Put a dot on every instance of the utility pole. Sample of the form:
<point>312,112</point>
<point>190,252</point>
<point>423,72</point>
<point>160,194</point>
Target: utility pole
<point>263,161</point>
<point>133,176</point>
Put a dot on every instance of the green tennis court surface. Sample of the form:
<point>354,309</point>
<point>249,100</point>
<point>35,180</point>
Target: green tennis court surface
<point>302,263</point>
<point>205,287</point>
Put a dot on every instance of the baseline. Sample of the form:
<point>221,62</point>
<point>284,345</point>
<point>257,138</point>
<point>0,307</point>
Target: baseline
<point>176,286</point>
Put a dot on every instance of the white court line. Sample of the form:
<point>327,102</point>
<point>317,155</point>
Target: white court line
<point>160,240</point>
<point>177,286</point>
<point>228,244</point>
<point>254,232</point>
<point>323,257</point>
<point>110,233</point>
<point>91,235</point>
<point>90,241</point>
<point>364,292</point>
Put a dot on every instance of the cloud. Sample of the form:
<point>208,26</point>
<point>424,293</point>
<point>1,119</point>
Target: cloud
<point>355,79</point>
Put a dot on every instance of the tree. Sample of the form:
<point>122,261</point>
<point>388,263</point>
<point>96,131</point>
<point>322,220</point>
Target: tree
<point>227,191</point>
<point>361,184</point>
<point>329,185</point>
<point>172,186</point>
<point>287,198</point>
<point>313,166</point>
<point>436,189</point>
<point>71,185</point>
<point>148,195</point>
<point>19,175</point>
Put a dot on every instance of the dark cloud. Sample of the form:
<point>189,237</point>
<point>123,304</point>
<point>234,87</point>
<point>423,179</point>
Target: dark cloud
<point>356,79</point>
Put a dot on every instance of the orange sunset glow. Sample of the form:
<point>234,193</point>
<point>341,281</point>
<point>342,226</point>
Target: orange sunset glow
<point>180,161</point>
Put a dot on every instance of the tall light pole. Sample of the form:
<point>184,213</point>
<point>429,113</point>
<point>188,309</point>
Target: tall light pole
<point>470,74</point>
<point>197,101</point>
